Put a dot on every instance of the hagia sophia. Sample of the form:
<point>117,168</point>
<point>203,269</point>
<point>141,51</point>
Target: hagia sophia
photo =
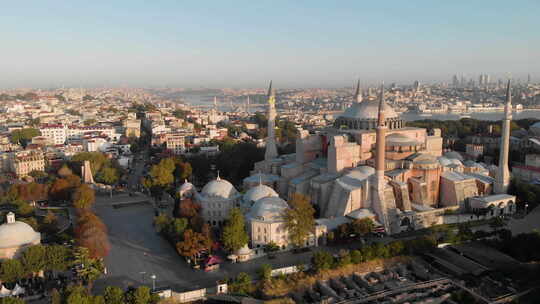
<point>369,164</point>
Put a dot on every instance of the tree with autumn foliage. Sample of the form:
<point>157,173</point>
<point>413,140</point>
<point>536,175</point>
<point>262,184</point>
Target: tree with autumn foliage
<point>193,244</point>
<point>91,233</point>
<point>84,197</point>
<point>299,219</point>
<point>60,190</point>
<point>188,208</point>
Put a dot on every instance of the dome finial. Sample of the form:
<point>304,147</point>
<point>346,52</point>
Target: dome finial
<point>260,178</point>
<point>218,178</point>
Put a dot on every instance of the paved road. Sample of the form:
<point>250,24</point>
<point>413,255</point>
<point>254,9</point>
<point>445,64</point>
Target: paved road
<point>527,224</point>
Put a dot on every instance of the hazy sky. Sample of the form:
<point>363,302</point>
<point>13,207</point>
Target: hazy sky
<point>246,43</point>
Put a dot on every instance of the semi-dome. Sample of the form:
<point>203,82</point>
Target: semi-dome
<point>453,155</point>
<point>363,116</point>
<point>268,208</point>
<point>16,234</point>
<point>397,139</point>
<point>219,188</point>
<point>256,193</point>
<point>444,161</point>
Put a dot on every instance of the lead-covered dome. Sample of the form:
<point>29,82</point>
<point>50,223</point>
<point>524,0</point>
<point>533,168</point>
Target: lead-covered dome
<point>368,109</point>
<point>256,193</point>
<point>16,234</point>
<point>219,188</point>
<point>363,116</point>
<point>268,209</point>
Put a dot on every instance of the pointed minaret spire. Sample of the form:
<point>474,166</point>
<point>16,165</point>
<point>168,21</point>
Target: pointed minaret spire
<point>270,90</point>
<point>379,199</point>
<point>502,178</point>
<point>271,149</point>
<point>358,93</point>
<point>380,116</point>
<point>260,178</point>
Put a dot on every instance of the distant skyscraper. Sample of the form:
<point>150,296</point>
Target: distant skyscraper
<point>416,85</point>
<point>529,78</point>
<point>455,81</point>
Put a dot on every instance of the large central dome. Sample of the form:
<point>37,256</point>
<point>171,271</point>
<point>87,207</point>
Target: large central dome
<point>363,116</point>
<point>368,110</point>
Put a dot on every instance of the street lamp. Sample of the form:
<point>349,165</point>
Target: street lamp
<point>142,274</point>
<point>526,206</point>
<point>153,277</point>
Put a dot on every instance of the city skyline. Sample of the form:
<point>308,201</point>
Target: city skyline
<point>310,44</point>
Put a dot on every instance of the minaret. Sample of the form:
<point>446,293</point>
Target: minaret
<point>379,202</point>
<point>502,180</point>
<point>358,93</point>
<point>271,150</point>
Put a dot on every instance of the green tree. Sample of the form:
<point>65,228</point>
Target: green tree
<point>234,234</point>
<point>322,260</point>
<point>56,297</point>
<point>84,197</point>
<point>57,257</point>
<point>363,226</point>
<point>241,283</point>
<point>23,136</point>
<point>356,257</point>
<point>141,295</point>
<point>97,160</point>
<point>177,227</point>
<point>11,300</point>
<point>88,269</point>
<point>34,259</point>
<point>114,295</point>
<point>76,294</point>
<point>161,222</point>
<point>11,270</point>
<point>108,175</point>
<point>299,219</point>
<point>265,272</point>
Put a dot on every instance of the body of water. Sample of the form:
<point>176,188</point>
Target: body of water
<point>479,116</point>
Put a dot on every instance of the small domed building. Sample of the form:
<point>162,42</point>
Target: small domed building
<point>15,237</point>
<point>256,193</point>
<point>266,224</point>
<point>186,190</point>
<point>216,199</point>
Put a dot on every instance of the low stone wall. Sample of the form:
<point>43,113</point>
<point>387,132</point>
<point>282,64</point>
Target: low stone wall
<point>189,296</point>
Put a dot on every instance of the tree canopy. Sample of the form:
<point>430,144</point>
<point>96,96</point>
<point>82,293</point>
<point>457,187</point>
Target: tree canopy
<point>23,136</point>
<point>234,234</point>
<point>299,219</point>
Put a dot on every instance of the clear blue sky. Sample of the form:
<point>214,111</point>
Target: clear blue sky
<point>246,43</point>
